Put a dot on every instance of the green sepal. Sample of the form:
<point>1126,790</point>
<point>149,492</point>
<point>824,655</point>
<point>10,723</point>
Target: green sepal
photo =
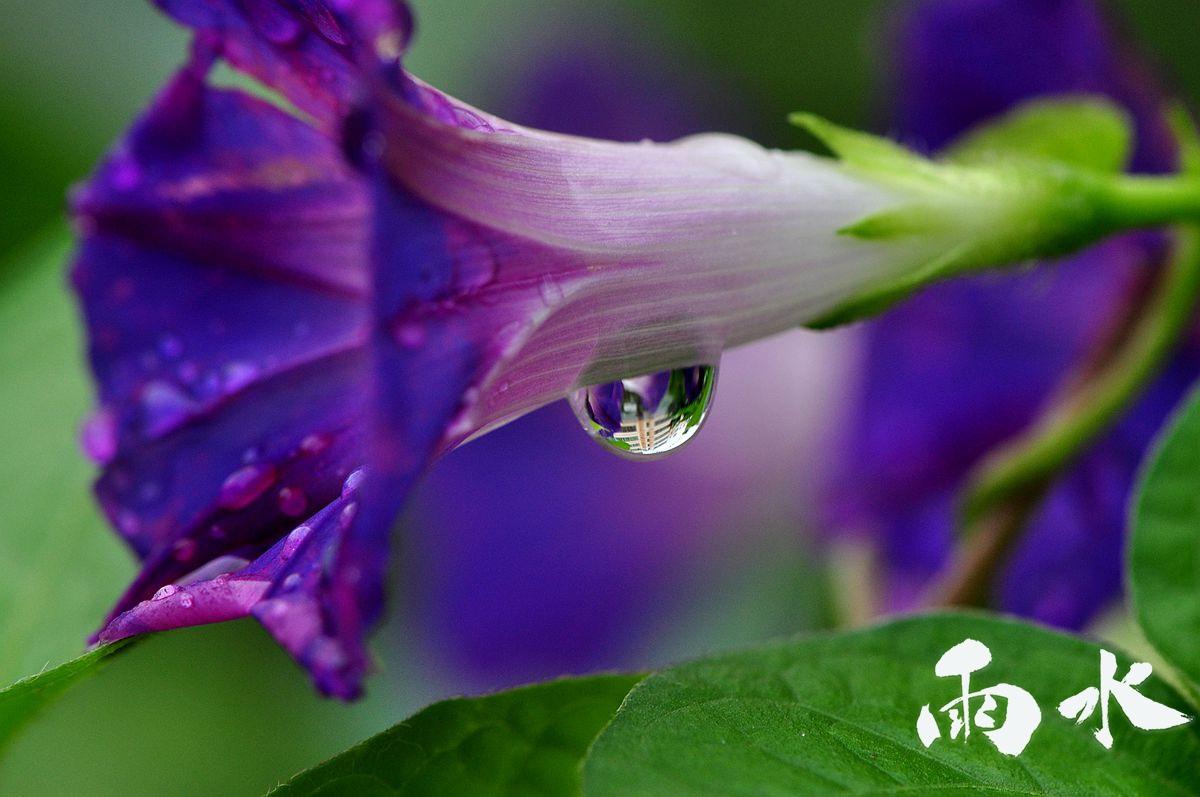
<point>1087,133</point>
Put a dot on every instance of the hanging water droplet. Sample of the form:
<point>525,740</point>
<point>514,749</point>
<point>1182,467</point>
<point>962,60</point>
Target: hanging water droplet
<point>647,416</point>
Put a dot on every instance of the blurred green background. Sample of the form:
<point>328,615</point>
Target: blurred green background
<point>221,710</point>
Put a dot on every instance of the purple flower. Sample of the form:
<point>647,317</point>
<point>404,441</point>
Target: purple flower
<point>294,306</point>
<point>966,365</point>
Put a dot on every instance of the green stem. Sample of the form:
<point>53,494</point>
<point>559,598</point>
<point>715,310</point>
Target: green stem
<point>1134,201</point>
<point>1009,484</point>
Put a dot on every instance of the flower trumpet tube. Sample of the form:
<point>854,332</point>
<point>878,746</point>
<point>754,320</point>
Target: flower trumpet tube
<point>293,307</point>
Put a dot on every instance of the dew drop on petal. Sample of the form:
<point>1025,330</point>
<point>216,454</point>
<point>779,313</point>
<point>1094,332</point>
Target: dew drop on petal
<point>271,609</point>
<point>647,416</point>
<point>164,407</point>
<point>550,291</point>
<point>170,347</point>
<point>352,482</point>
<point>237,375</point>
<point>98,437</point>
<point>294,541</point>
<point>185,599</point>
<point>314,444</point>
<point>292,501</point>
<point>165,592</point>
<point>245,485</point>
<point>184,550</point>
<point>409,333</point>
<point>292,581</point>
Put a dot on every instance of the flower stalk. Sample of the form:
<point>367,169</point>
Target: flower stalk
<point>1008,485</point>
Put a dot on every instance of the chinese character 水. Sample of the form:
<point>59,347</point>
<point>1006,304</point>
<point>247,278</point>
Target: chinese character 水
<point>1144,713</point>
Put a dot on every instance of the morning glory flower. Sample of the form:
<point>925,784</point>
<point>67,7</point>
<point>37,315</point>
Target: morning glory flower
<point>966,365</point>
<point>295,303</point>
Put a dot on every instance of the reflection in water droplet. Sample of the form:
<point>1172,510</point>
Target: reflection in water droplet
<point>647,416</point>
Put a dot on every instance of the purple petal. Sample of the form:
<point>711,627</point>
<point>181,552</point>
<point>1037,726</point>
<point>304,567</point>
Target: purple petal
<point>596,260</point>
<point>308,50</point>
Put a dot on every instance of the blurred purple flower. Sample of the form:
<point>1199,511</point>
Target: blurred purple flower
<point>966,365</point>
<point>292,308</point>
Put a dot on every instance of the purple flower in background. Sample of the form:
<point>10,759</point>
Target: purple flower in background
<point>966,365</point>
<point>292,308</point>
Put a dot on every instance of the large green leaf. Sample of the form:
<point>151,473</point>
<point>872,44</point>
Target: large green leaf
<point>22,701</point>
<point>528,741</point>
<point>1164,550</point>
<point>60,567</point>
<point>837,714</point>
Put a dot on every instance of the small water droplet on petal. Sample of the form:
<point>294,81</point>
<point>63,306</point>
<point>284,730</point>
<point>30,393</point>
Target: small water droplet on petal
<point>164,407</point>
<point>292,501</point>
<point>294,541</point>
<point>245,485</point>
<point>185,599</point>
<point>165,592</point>
<point>647,416</point>
<point>237,375</point>
<point>409,333</point>
<point>170,347</point>
<point>352,482</point>
<point>550,291</point>
<point>99,436</point>
<point>314,444</point>
<point>184,550</point>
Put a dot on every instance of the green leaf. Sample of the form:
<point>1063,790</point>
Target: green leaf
<point>22,701</point>
<point>527,741</point>
<point>837,714</point>
<point>1164,549</point>
<point>1083,132</point>
<point>60,566</point>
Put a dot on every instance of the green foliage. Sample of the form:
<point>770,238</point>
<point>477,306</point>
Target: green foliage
<point>1164,551</point>
<point>528,741</point>
<point>837,714</point>
<point>1085,133</point>
<point>22,701</point>
<point>60,568</point>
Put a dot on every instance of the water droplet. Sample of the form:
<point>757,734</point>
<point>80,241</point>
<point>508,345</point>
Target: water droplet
<point>185,600</point>
<point>294,541</point>
<point>647,416</point>
<point>165,592</point>
<point>314,444</point>
<point>551,292</point>
<point>184,550</point>
<point>409,333</point>
<point>271,609</point>
<point>352,482</point>
<point>99,437</point>
<point>292,501</point>
<point>244,485</point>
<point>237,375</point>
<point>292,581</point>
<point>170,347</point>
<point>164,407</point>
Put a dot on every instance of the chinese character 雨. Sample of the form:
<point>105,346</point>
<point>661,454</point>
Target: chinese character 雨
<point>1144,713</point>
<point>1021,717</point>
